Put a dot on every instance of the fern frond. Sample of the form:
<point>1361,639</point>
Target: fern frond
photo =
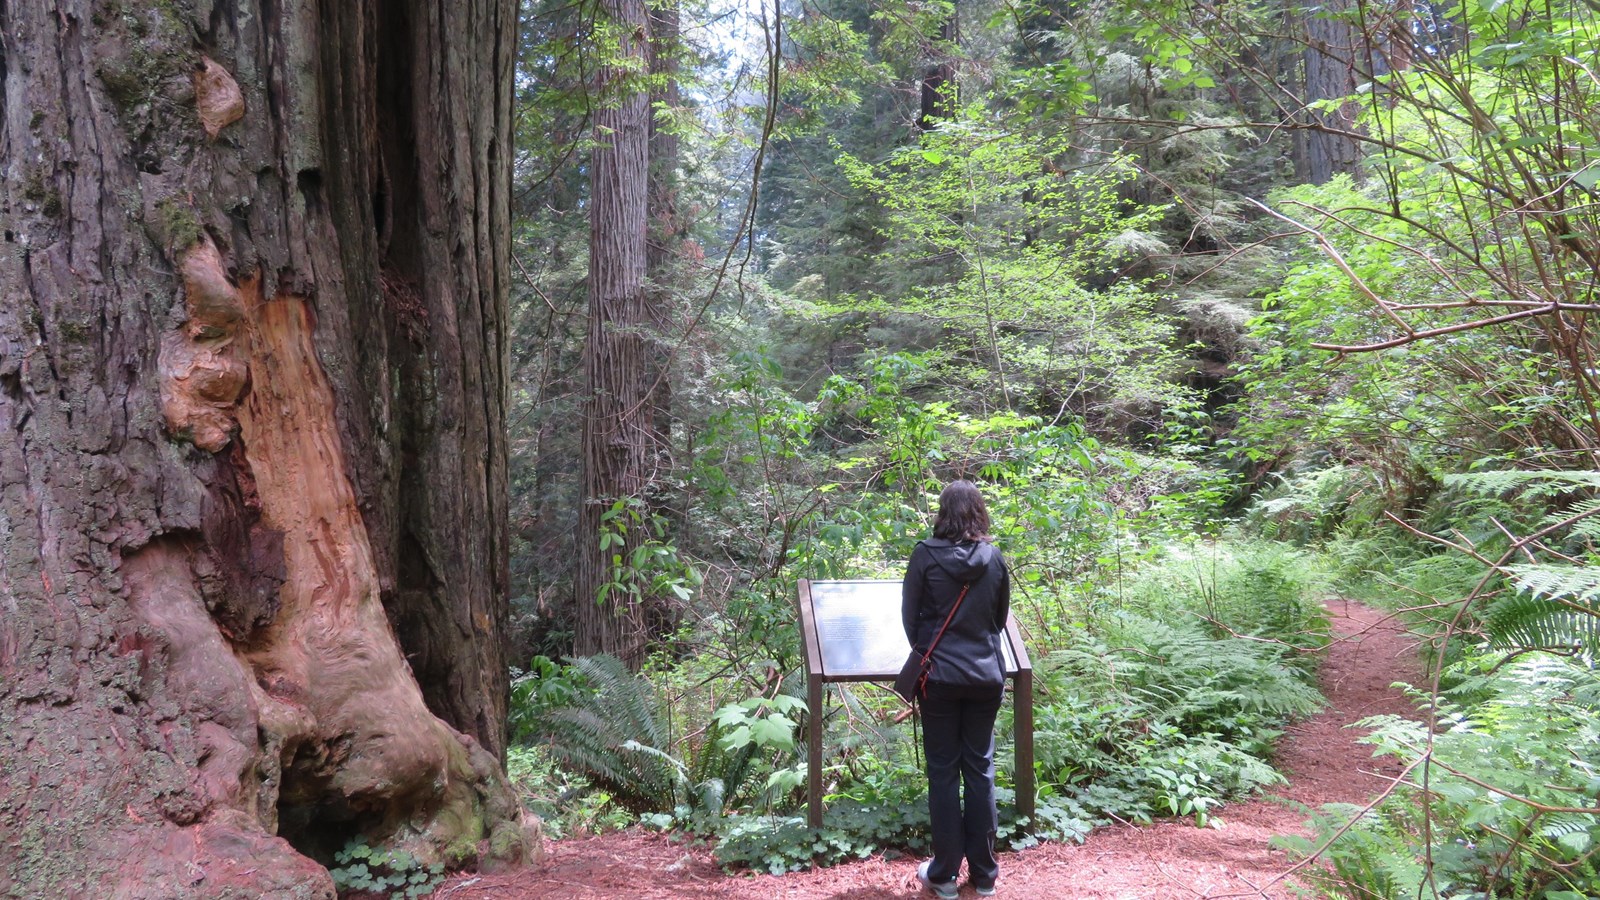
<point>1585,688</point>
<point>1280,505</point>
<point>609,734</point>
<point>1589,527</point>
<point>1543,483</point>
<point>723,776</point>
<point>1536,622</point>
<point>1557,825</point>
<point>1552,581</point>
<point>624,696</point>
<point>1184,673</point>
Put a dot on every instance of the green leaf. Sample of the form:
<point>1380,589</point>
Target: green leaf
<point>774,731</point>
<point>784,703</point>
<point>738,737</point>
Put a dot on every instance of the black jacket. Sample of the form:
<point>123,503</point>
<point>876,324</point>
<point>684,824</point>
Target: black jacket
<point>969,652</point>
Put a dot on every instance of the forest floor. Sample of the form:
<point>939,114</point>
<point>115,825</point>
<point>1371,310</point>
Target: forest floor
<point>1172,859</point>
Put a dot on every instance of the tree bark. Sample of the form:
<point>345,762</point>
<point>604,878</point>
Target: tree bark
<point>252,455</point>
<point>938,89</point>
<point>666,263</point>
<point>1330,62</point>
<point>620,444</point>
<point>667,227</point>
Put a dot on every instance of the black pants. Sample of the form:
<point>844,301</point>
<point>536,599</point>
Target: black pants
<point>958,741</point>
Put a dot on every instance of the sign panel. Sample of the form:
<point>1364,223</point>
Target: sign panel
<point>852,632</point>
<point>858,628</point>
<point>859,635</point>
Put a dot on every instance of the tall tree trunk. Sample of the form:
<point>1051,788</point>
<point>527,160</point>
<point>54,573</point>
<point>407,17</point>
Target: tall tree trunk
<point>252,460</point>
<point>666,275</point>
<point>939,78</point>
<point>667,227</point>
<point>1332,57</point>
<point>619,441</point>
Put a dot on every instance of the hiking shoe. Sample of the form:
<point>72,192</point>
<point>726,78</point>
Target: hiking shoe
<point>983,890</point>
<point>944,891</point>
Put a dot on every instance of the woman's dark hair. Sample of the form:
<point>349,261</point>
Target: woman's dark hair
<point>962,515</point>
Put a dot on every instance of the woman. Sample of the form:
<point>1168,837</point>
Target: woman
<point>964,686</point>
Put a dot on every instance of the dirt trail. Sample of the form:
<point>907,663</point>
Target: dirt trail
<point>1167,860</point>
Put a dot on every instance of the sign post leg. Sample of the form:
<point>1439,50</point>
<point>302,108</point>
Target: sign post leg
<point>814,752</point>
<point>1022,717</point>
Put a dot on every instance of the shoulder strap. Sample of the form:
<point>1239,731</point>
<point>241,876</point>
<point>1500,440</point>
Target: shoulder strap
<point>962,596</point>
<point>927,657</point>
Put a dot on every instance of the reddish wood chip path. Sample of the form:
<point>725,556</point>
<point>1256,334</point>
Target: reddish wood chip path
<point>1167,860</point>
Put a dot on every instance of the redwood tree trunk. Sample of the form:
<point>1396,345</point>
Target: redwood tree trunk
<point>938,89</point>
<point>667,228</point>
<point>1334,54</point>
<point>667,276</point>
<point>252,458</point>
<point>620,445</point>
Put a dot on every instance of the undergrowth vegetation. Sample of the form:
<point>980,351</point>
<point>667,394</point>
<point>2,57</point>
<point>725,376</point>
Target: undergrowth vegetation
<point>1203,386</point>
<point>1501,759</point>
<point>1165,667</point>
<point>1154,705</point>
<point>1165,670</point>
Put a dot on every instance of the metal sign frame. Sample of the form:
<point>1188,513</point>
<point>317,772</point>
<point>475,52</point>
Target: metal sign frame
<point>816,677</point>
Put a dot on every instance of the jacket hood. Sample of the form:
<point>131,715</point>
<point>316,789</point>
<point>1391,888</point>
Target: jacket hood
<point>964,562</point>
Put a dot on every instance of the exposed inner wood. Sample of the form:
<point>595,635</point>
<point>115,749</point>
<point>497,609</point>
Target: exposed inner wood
<point>217,97</point>
<point>201,372</point>
<point>328,662</point>
<point>205,520</point>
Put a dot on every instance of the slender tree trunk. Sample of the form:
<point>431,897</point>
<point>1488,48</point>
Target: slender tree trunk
<point>619,439</point>
<point>252,460</point>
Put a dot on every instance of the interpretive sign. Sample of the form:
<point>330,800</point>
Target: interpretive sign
<point>852,632</point>
<point>859,630</point>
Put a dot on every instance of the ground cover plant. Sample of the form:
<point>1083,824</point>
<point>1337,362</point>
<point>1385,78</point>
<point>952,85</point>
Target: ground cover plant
<point>1142,713</point>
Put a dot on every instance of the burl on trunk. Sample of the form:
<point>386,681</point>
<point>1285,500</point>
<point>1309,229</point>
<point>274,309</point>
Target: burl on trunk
<point>252,455</point>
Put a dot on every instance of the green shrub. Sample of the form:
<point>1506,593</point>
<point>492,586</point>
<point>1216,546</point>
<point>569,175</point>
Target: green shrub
<point>1362,562</point>
<point>603,726</point>
<point>566,801</point>
<point>883,808</point>
<point>1265,592</point>
<point>1311,505</point>
<point>1206,685</point>
<point>545,686</point>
